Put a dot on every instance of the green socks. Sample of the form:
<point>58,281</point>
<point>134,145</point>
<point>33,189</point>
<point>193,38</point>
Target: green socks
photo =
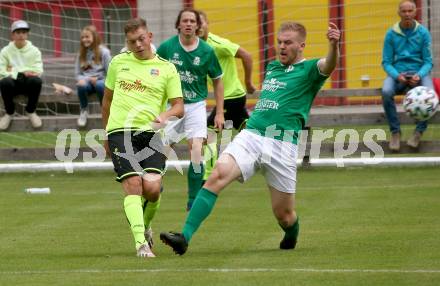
<point>149,212</point>
<point>211,153</point>
<point>200,210</point>
<point>194,182</point>
<point>291,232</point>
<point>134,213</point>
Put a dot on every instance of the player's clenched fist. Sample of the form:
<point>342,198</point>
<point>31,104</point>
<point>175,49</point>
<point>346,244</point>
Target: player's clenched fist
<point>333,33</point>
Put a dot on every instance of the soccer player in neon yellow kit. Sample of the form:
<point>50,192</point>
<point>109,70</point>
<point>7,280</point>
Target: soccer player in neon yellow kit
<point>269,140</point>
<point>137,88</point>
<point>195,60</point>
<point>234,93</point>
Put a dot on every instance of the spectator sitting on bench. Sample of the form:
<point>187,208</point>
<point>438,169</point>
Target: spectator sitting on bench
<point>90,69</point>
<point>407,60</point>
<point>21,67</point>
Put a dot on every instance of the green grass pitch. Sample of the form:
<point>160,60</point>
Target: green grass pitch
<point>359,226</point>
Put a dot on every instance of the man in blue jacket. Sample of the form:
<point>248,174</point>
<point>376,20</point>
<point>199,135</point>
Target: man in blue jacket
<point>407,60</point>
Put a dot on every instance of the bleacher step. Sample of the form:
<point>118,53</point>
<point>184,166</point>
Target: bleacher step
<point>319,117</point>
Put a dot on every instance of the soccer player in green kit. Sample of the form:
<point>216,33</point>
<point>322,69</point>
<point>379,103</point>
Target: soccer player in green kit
<point>195,60</point>
<point>137,88</point>
<point>234,93</point>
<point>269,140</point>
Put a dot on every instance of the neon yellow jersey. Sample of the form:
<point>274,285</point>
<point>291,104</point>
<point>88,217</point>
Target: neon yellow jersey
<point>225,51</point>
<point>141,90</point>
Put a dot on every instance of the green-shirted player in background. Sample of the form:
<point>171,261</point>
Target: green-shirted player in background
<point>195,60</point>
<point>234,93</point>
<point>137,88</point>
<point>270,139</point>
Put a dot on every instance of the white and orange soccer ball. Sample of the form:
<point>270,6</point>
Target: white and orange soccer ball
<point>420,103</point>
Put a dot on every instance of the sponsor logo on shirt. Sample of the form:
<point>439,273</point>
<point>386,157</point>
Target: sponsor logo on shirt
<point>290,68</point>
<point>189,94</point>
<point>196,61</point>
<point>154,72</point>
<point>132,86</point>
<point>188,77</point>
<point>175,60</point>
<point>266,104</point>
<point>273,85</point>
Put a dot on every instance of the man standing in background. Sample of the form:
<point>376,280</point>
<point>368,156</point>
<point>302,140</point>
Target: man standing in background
<point>234,93</point>
<point>195,60</point>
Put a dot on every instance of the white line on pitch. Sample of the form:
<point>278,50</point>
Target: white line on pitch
<point>170,270</point>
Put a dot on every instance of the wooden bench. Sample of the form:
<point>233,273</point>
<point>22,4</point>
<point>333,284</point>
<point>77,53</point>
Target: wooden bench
<point>62,104</point>
<point>321,116</point>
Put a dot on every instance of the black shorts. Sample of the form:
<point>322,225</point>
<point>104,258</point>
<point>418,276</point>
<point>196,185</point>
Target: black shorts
<point>235,110</point>
<point>137,154</point>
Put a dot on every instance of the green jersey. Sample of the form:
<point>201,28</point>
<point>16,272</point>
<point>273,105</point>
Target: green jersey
<point>225,51</point>
<point>286,99</point>
<point>141,90</point>
<point>193,67</point>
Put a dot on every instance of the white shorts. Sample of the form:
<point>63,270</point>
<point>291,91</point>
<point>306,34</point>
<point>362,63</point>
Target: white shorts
<point>276,159</point>
<point>191,125</point>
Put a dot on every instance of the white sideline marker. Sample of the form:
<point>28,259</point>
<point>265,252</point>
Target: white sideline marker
<point>324,162</point>
<point>224,270</point>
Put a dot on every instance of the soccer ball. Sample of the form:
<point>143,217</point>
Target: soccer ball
<point>420,103</point>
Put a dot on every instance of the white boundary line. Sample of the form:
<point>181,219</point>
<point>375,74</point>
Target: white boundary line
<point>330,162</point>
<point>221,270</point>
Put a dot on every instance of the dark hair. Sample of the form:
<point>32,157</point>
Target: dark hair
<point>134,24</point>
<point>199,21</point>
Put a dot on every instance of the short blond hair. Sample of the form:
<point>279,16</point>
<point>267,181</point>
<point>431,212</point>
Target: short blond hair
<point>295,27</point>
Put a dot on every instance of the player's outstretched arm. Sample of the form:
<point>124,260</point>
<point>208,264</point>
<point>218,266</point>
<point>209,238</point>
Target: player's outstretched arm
<point>328,64</point>
<point>105,111</point>
<point>106,102</point>
<point>247,62</point>
<point>219,119</point>
<point>176,110</point>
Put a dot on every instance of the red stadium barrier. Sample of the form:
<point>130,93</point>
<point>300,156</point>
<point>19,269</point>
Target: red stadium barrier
<point>436,82</point>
